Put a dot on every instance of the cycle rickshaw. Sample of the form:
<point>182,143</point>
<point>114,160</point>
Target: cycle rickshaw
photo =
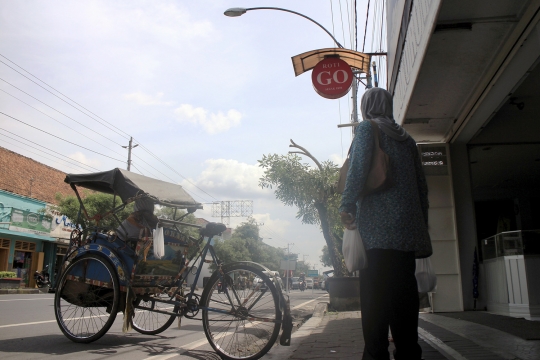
<point>103,275</point>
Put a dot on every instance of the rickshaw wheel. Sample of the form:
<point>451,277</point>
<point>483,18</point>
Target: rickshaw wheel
<point>247,328</point>
<point>151,323</point>
<point>86,299</point>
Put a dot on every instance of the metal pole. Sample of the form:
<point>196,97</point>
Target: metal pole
<point>129,147</point>
<point>129,154</point>
<point>354,97</point>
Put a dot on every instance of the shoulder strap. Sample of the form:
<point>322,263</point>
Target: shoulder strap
<point>375,132</point>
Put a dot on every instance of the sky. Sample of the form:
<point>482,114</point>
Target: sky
<point>204,95</point>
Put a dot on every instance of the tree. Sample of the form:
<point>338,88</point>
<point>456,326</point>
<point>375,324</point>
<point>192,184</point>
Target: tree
<point>312,191</point>
<point>94,203</point>
<point>244,245</point>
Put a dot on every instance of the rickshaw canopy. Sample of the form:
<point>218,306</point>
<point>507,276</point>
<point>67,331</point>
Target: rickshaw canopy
<point>127,184</point>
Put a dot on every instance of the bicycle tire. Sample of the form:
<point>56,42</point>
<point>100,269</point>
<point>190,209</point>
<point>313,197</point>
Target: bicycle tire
<point>255,329</point>
<point>152,323</point>
<point>80,305</point>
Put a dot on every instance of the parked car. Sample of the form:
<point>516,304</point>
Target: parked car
<point>326,275</point>
<point>258,280</point>
<point>316,283</point>
<point>309,283</point>
<point>295,283</point>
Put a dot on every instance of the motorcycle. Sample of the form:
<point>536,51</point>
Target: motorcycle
<point>42,278</point>
<point>302,286</point>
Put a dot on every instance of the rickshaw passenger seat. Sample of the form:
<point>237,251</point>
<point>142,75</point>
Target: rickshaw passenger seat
<point>212,229</point>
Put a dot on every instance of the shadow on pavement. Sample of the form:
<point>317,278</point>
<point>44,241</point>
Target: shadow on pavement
<point>109,344</point>
<point>201,355</point>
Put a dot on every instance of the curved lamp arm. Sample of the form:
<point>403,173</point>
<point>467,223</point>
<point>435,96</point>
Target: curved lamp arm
<point>234,12</point>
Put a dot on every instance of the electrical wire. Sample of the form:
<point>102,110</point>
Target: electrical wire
<point>34,127</point>
<point>146,149</point>
<point>342,30</point>
<point>55,152</point>
<point>62,95</point>
<point>68,165</point>
<point>355,27</point>
<point>67,126</point>
<point>365,28</point>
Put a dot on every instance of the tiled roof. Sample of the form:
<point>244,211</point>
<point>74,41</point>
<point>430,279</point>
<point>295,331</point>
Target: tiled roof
<point>24,176</point>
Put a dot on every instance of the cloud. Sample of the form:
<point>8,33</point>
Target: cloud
<point>146,100</point>
<point>338,159</point>
<point>211,122</point>
<point>229,179</point>
<point>80,157</point>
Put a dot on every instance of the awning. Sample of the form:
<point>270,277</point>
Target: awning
<point>127,184</point>
<point>307,61</point>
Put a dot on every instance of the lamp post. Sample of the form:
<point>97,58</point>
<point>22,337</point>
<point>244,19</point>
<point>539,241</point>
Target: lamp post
<point>235,12</point>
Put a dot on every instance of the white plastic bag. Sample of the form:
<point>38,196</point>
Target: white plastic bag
<point>159,242</point>
<point>353,250</point>
<point>425,276</point>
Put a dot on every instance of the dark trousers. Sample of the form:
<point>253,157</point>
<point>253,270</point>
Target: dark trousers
<point>389,299</point>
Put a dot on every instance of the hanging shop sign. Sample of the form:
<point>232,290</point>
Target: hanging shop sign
<point>332,78</point>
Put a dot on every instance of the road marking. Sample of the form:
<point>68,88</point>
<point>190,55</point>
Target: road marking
<point>30,323</point>
<point>440,345</point>
<point>28,299</point>
<point>307,302</point>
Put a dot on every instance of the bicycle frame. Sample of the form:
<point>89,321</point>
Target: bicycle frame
<point>208,248</point>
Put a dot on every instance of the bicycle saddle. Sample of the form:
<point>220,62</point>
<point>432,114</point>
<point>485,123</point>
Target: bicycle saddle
<point>212,229</point>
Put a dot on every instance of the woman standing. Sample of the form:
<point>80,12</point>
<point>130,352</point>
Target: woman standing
<point>393,227</point>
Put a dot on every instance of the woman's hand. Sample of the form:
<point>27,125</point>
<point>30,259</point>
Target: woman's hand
<point>348,220</point>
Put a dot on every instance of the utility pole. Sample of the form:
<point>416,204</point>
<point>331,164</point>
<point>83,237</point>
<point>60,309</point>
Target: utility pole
<point>129,147</point>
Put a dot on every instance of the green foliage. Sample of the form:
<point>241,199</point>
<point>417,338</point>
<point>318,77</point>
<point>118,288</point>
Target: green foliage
<point>244,245</point>
<point>325,258</point>
<point>7,274</point>
<point>300,185</point>
<point>95,203</point>
<point>312,191</point>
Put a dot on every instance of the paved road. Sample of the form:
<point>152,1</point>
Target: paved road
<point>28,330</point>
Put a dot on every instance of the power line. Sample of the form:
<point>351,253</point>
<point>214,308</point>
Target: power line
<point>59,96</point>
<point>167,165</point>
<point>342,30</point>
<point>78,162</point>
<point>147,150</point>
<point>60,122</point>
<point>69,165</point>
<point>59,137</point>
<point>365,28</point>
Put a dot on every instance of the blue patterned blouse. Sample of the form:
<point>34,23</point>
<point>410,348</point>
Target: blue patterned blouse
<point>397,217</point>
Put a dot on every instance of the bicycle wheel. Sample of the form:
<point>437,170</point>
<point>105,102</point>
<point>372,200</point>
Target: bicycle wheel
<point>86,300</point>
<point>149,322</point>
<point>240,323</point>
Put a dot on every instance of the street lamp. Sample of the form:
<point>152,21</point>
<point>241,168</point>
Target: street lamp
<point>235,12</point>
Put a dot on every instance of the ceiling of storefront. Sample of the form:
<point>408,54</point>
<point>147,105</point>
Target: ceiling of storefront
<point>505,152</point>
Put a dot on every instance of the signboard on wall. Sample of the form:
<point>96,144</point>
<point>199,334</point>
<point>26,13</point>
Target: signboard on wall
<point>30,222</point>
<point>312,273</point>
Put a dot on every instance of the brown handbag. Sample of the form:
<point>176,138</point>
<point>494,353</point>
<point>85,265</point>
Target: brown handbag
<point>379,176</point>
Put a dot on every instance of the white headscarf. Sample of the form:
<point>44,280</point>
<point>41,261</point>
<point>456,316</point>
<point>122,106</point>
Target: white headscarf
<point>376,105</point>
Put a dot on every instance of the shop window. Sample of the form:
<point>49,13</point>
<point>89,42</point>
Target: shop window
<point>5,243</point>
<point>25,246</point>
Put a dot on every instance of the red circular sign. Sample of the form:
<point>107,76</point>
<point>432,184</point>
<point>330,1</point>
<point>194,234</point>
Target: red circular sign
<point>332,78</point>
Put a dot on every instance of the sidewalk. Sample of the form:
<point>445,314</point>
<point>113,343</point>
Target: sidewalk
<point>339,336</point>
<point>20,291</point>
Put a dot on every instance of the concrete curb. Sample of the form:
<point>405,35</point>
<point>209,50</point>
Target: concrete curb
<point>285,352</point>
<point>19,291</point>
